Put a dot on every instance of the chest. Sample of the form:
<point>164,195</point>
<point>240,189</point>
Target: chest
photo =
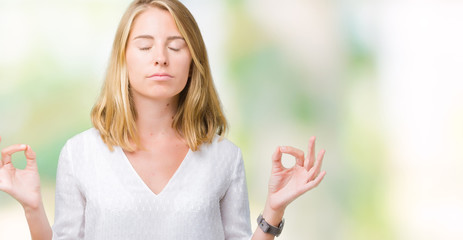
<point>157,166</point>
<point>118,201</point>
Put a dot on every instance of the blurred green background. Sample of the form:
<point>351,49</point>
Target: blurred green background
<point>378,82</point>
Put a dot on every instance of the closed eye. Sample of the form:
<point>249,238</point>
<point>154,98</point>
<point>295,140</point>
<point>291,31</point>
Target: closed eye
<point>145,48</point>
<point>174,49</point>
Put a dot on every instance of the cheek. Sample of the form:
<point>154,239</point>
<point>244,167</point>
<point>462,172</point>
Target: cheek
<point>133,62</point>
<point>183,65</point>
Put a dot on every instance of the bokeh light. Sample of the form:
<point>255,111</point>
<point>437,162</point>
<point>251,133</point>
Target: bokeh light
<point>378,82</point>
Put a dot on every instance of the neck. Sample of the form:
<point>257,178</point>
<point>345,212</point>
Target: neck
<point>154,118</point>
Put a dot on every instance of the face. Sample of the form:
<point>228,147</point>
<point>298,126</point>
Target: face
<point>158,59</point>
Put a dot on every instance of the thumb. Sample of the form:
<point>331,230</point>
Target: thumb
<point>30,157</point>
<point>276,159</point>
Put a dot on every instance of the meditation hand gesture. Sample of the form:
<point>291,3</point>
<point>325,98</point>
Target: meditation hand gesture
<point>286,184</point>
<point>21,184</point>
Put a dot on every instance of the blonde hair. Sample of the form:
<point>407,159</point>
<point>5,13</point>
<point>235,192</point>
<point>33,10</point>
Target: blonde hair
<point>199,114</point>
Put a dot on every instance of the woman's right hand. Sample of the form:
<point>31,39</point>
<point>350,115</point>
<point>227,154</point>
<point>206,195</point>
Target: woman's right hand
<point>21,184</point>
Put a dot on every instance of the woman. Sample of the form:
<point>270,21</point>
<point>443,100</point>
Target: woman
<point>156,165</point>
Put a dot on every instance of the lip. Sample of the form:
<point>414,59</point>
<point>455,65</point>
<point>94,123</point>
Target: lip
<point>160,76</point>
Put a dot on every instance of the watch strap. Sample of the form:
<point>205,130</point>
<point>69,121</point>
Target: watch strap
<point>267,228</point>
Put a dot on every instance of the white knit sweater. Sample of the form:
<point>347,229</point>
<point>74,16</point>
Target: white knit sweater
<point>100,196</point>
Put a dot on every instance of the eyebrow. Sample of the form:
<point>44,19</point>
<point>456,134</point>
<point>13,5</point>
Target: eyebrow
<point>152,38</point>
<point>175,37</point>
<point>144,36</point>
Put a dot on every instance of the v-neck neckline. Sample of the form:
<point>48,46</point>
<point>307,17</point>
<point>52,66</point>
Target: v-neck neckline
<point>140,180</point>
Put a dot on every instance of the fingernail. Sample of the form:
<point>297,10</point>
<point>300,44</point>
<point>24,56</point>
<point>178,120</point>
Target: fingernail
<point>283,148</point>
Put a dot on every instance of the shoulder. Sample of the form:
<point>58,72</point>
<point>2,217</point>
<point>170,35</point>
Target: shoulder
<point>80,152</point>
<point>222,146</point>
<point>89,138</point>
<point>220,153</point>
<point>89,134</point>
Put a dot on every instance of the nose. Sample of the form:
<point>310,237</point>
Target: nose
<point>160,62</point>
<point>160,58</point>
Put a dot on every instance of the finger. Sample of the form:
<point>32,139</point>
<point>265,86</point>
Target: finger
<point>315,170</point>
<point>310,159</point>
<point>314,183</point>
<point>297,153</point>
<point>276,159</point>
<point>8,151</point>
<point>320,156</point>
<point>30,157</point>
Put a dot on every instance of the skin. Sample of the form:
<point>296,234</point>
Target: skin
<point>155,46</point>
<point>287,184</point>
<point>160,49</point>
<point>24,186</point>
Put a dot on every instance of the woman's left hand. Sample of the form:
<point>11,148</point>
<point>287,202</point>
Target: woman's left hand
<point>287,184</point>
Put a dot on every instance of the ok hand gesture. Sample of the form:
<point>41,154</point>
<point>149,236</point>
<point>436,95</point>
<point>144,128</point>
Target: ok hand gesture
<point>21,184</point>
<point>287,184</point>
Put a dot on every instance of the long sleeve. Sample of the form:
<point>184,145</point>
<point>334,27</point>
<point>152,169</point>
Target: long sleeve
<point>100,196</point>
<point>69,201</point>
<point>234,206</point>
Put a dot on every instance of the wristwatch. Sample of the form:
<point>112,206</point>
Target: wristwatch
<point>267,228</point>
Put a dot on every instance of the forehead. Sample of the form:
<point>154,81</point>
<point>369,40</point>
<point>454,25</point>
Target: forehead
<point>154,21</point>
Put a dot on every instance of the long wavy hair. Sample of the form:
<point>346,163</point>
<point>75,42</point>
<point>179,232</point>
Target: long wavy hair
<point>199,115</point>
